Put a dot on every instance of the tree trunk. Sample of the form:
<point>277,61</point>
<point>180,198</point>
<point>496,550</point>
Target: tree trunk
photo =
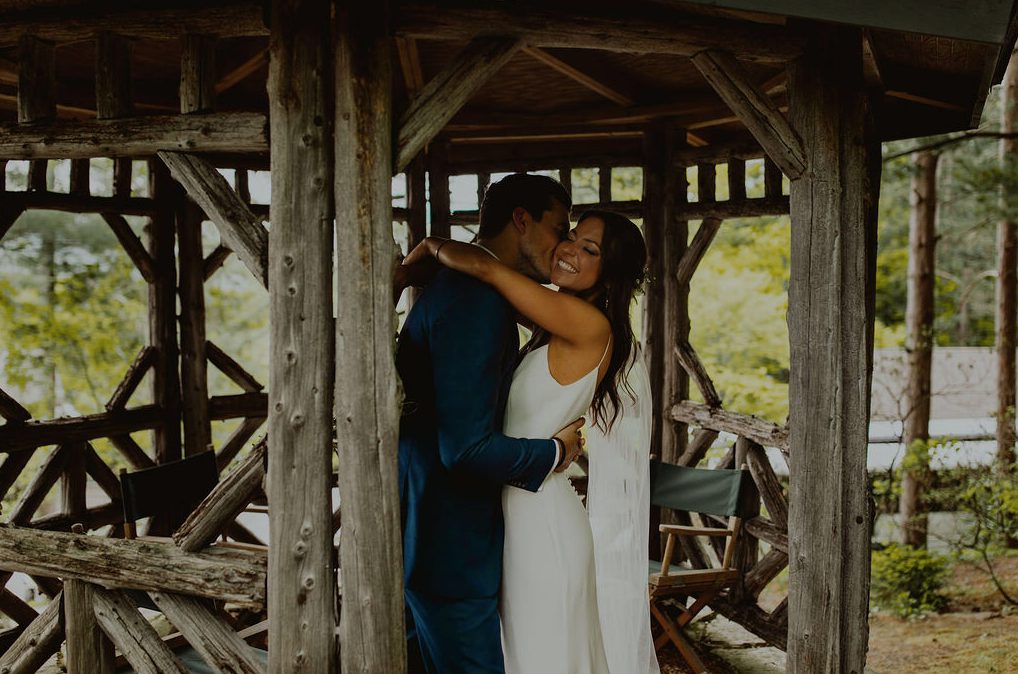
<point>919,345</point>
<point>1007,277</point>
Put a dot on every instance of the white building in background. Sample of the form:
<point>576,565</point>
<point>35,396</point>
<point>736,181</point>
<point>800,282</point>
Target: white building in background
<point>963,388</point>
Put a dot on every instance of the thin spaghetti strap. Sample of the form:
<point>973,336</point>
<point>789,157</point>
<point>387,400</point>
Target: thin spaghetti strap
<point>607,348</point>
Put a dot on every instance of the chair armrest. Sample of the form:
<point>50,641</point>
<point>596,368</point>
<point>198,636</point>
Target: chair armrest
<point>683,530</point>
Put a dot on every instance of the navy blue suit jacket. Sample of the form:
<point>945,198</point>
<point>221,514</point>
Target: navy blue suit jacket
<point>456,354</point>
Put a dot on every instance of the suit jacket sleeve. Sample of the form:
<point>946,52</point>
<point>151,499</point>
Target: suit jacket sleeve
<point>468,352</point>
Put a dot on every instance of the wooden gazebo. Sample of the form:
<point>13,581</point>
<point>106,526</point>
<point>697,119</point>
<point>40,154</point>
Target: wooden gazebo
<point>335,98</point>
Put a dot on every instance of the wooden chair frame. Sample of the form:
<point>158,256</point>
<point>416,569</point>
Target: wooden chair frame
<point>725,494</point>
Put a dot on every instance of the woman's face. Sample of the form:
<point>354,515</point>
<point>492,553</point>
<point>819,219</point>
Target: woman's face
<point>576,265</point>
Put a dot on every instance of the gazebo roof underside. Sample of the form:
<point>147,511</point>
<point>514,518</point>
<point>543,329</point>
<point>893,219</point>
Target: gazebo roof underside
<point>551,99</point>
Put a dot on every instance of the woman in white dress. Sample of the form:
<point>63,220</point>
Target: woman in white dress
<point>572,366</point>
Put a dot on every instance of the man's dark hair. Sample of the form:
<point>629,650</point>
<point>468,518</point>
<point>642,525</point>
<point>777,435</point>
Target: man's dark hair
<point>531,191</point>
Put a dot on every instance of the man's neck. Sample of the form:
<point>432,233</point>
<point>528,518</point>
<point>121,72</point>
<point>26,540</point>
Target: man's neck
<point>501,247</point>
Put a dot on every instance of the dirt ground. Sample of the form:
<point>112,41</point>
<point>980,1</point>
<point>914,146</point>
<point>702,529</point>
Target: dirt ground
<point>977,633</point>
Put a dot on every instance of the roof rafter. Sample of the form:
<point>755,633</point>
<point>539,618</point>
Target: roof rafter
<point>612,30</point>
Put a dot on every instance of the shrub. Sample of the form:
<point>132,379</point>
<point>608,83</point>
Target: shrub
<point>907,580</point>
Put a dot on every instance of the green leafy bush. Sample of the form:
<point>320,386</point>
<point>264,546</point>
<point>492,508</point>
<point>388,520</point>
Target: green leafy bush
<point>907,580</point>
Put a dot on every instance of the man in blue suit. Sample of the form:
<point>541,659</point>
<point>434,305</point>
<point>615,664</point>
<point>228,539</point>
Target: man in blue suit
<point>456,354</point>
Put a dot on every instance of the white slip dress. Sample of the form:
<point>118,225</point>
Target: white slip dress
<point>548,600</point>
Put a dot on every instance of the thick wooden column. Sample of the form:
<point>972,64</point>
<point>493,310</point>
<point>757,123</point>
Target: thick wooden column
<point>438,188</point>
<point>371,630</point>
<point>162,308</point>
<point>666,314</point>
<point>301,587</point>
<point>830,319</point>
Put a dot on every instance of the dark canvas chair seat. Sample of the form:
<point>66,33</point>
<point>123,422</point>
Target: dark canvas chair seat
<point>724,494</point>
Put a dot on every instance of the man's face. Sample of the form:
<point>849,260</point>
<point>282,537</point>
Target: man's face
<point>538,241</point>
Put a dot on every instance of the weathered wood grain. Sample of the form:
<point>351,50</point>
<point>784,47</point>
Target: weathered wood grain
<point>36,79</point>
<point>545,26</point>
<point>35,645</point>
<point>754,108</point>
<point>764,432</point>
<point>227,574</point>
<point>302,590</point>
<point>133,635</point>
<point>243,132</point>
<point>371,631</point>
<point>227,500</point>
<point>215,641</point>
<point>32,434</point>
<point>445,94</point>
<point>112,75</point>
<point>88,648</point>
<point>241,230</point>
<point>830,328</point>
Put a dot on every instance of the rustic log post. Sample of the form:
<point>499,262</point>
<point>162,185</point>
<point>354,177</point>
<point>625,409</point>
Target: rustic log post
<point>88,648</point>
<point>73,482</point>
<point>112,76</point>
<point>162,307</point>
<point>666,312</point>
<point>438,188</point>
<point>302,586</point>
<point>417,210</point>
<point>830,324</point>
<point>372,635</point>
<point>919,312</point>
<point>194,383</point>
<point>36,79</point>
<point>197,73</point>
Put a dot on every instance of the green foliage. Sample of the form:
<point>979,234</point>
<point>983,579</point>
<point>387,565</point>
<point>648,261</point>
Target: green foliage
<point>906,580</point>
<point>737,303</point>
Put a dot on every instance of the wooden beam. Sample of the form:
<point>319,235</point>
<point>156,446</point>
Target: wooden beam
<point>35,645</point>
<point>81,23</point>
<point>112,76</point>
<point>242,132</point>
<point>754,108</point>
<point>132,634</point>
<point>372,630</point>
<point>191,319</point>
<point>11,409</point>
<point>208,634</point>
<point>243,71</point>
<point>614,29</point>
<point>132,245</point>
<point>410,63</point>
<point>32,434</point>
<point>197,73</point>
<point>578,67</point>
<point>443,96</point>
<point>697,249</point>
<point>227,500</point>
<point>830,328</point>
<point>241,230</point>
<point>230,574</point>
<point>232,369</point>
<point>761,431</point>
<point>302,582</point>
<point>88,647</point>
<point>36,79</point>
<point>9,213</point>
<point>75,203</point>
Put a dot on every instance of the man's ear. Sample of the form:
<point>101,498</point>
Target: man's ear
<point>519,219</point>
